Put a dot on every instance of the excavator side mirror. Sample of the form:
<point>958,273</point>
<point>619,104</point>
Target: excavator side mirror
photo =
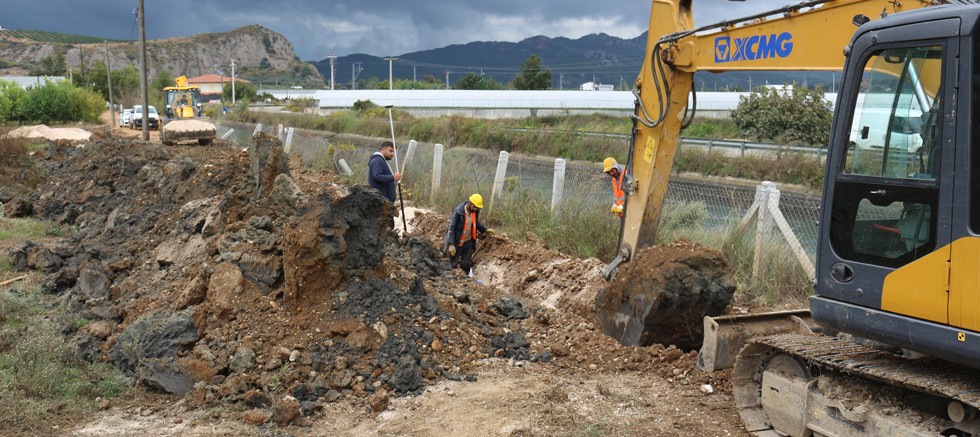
<point>859,20</point>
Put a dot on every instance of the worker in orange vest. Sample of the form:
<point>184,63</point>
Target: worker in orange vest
<point>464,229</point>
<point>618,174</point>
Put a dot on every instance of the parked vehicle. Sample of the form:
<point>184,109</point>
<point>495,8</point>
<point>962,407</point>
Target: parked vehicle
<point>152,116</point>
<point>125,117</point>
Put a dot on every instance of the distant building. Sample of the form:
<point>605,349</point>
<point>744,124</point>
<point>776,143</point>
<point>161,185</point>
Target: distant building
<point>211,84</point>
<point>592,86</point>
<point>26,82</point>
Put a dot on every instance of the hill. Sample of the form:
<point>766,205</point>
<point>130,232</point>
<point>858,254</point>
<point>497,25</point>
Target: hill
<point>596,58</point>
<point>261,55</point>
<point>572,61</point>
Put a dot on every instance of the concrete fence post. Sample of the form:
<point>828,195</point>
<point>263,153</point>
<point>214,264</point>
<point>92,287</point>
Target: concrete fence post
<point>436,168</point>
<point>289,140</point>
<point>766,195</point>
<point>558,184</point>
<point>498,179</point>
<point>228,134</point>
<point>409,154</point>
<point>344,168</point>
<point>258,128</point>
<point>279,131</point>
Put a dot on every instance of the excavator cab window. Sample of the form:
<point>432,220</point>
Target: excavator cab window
<point>885,201</point>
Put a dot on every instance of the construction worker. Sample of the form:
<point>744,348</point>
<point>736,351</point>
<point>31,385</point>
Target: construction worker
<point>618,175</point>
<point>380,175</point>
<point>464,228</point>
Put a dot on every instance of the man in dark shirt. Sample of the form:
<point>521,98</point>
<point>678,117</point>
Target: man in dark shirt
<point>380,175</point>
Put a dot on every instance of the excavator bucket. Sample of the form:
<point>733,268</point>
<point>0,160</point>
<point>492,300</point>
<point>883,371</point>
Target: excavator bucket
<point>724,336</point>
<point>182,130</point>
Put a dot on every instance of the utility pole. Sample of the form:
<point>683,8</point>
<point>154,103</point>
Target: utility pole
<point>391,82</point>
<point>233,82</point>
<point>143,84</point>
<point>108,73</point>
<point>332,58</point>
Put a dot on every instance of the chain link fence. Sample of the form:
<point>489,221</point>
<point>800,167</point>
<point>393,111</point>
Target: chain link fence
<point>701,211</point>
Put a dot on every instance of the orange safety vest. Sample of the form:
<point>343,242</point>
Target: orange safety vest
<point>617,184</point>
<point>472,226</point>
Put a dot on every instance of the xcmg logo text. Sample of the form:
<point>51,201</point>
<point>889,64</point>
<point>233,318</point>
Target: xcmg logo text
<point>750,48</point>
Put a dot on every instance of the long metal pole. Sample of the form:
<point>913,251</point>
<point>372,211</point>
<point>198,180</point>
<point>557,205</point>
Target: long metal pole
<point>143,82</point>
<point>401,198</point>
<point>108,73</point>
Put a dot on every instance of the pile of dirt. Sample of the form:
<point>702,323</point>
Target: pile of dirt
<point>663,293</point>
<point>230,275</point>
<point>50,133</point>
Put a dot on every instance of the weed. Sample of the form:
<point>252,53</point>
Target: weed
<point>40,372</point>
<point>25,228</point>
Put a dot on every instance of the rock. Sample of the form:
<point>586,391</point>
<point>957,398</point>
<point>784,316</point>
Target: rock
<point>332,395</point>
<point>233,385</point>
<point>18,208</point>
<point>286,411</point>
<point>192,294</point>
<point>104,404</point>
<point>164,375</point>
<point>510,308</point>
<point>436,345</point>
<point>268,162</point>
<point>256,417</point>
<point>155,335</point>
<point>285,194</point>
<point>340,363</point>
<point>257,399</point>
<point>224,287</point>
<point>195,213</point>
<point>262,222</point>
<point>176,250</point>
<point>379,401</point>
<point>243,360</point>
<point>293,356</point>
<point>264,269</point>
<point>6,194</point>
<point>100,329</point>
<point>45,261</point>
<point>407,376</point>
<point>199,370</point>
<point>273,364</point>
<point>93,284</point>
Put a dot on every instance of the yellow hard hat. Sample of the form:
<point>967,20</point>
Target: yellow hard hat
<point>607,164</point>
<point>477,200</point>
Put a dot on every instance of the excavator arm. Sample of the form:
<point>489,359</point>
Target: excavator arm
<point>811,35</point>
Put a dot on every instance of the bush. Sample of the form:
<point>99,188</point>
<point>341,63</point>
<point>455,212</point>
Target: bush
<point>797,116</point>
<point>50,102</point>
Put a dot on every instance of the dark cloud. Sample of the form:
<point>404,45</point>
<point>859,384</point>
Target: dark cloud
<point>319,28</point>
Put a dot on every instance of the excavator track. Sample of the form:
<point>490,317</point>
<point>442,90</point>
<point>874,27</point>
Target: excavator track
<point>786,367</point>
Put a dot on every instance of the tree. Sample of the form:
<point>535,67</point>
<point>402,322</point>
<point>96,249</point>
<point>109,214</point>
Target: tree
<point>531,76</point>
<point>796,116</point>
<point>243,91</point>
<point>473,81</point>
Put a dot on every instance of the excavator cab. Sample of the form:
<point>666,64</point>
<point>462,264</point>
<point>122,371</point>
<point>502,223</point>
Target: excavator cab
<point>183,101</point>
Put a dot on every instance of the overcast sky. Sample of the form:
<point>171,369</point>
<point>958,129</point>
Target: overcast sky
<point>318,28</point>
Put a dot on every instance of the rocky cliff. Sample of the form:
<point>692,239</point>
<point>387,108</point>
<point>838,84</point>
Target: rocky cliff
<point>259,53</point>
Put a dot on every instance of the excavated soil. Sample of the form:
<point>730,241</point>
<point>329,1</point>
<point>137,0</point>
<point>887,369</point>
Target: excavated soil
<point>263,296</point>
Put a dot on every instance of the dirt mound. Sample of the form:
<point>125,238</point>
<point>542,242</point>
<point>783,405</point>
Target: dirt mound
<point>663,293</point>
<point>232,275</point>
<point>50,133</point>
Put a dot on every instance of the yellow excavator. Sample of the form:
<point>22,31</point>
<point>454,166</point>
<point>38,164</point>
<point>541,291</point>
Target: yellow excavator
<point>185,116</point>
<point>890,344</point>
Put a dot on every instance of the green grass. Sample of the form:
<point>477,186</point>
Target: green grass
<point>25,228</point>
<point>805,169</point>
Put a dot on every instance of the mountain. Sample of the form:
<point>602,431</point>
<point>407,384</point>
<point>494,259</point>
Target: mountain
<point>573,61</point>
<point>596,58</point>
<point>260,54</point>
